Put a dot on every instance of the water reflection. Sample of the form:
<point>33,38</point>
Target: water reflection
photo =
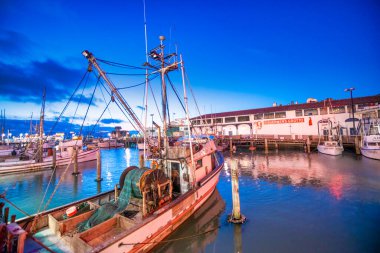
<point>338,174</point>
<point>204,219</point>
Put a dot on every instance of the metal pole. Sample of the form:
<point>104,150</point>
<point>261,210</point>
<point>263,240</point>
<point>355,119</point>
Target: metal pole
<point>353,113</point>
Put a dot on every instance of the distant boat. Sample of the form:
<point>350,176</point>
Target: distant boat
<point>63,157</point>
<point>333,145</point>
<point>110,143</point>
<point>371,139</point>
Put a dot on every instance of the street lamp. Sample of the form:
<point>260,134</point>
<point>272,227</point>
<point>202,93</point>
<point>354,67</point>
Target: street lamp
<point>352,108</point>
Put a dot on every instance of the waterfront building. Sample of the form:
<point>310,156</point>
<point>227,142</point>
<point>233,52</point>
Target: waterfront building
<point>294,120</point>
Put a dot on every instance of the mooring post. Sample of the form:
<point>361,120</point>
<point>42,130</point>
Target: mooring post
<point>141,161</point>
<point>54,157</point>
<point>276,145</point>
<point>98,167</point>
<point>236,216</point>
<point>75,154</point>
<point>231,149</point>
<point>266,145</point>
<point>308,145</point>
<point>13,218</point>
<point>116,191</point>
<point>6,215</point>
<point>357,145</point>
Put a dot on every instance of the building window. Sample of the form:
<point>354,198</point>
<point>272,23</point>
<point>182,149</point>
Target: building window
<point>323,111</point>
<point>269,115</point>
<point>229,119</point>
<point>243,118</point>
<point>195,122</point>
<point>336,110</point>
<point>208,121</point>
<point>218,120</point>
<point>258,116</point>
<point>309,112</point>
<point>280,115</point>
<point>299,113</point>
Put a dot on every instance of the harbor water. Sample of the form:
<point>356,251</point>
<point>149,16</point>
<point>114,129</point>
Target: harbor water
<point>294,202</point>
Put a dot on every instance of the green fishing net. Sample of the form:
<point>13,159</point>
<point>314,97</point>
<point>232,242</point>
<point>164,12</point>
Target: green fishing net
<point>108,210</point>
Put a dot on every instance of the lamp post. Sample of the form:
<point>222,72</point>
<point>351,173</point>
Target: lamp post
<point>352,108</point>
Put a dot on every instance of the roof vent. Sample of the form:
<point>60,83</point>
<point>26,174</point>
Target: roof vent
<point>311,100</point>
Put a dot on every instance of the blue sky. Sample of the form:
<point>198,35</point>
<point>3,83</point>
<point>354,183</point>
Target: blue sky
<point>238,54</point>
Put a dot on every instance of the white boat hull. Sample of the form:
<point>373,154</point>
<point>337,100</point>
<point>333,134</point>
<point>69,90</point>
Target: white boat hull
<point>330,150</point>
<point>31,165</point>
<point>373,153</point>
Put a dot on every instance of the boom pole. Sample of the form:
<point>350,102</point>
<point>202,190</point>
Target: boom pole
<point>90,57</point>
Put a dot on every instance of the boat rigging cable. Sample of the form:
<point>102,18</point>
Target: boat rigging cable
<point>68,102</point>
<point>101,115</point>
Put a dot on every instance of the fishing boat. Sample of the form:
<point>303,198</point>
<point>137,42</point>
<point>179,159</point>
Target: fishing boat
<point>370,146</point>
<point>149,202</point>
<point>50,158</point>
<point>110,143</point>
<point>329,142</point>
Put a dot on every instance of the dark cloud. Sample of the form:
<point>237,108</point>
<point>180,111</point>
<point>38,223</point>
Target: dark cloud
<point>110,121</point>
<point>85,100</point>
<point>14,44</point>
<point>25,83</point>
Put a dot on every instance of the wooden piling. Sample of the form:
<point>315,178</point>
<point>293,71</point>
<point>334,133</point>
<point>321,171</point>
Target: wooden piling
<point>141,161</point>
<point>75,160</point>
<point>236,216</point>
<point>13,218</point>
<point>266,145</point>
<point>116,192</point>
<point>98,167</point>
<point>276,145</point>
<point>231,148</point>
<point>308,142</point>
<point>6,215</point>
<point>54,157</point>
<point>357,145</point>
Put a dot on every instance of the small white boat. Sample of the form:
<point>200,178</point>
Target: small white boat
<point>331,143</point>
<point>371,140</point>
<point>330,148</point>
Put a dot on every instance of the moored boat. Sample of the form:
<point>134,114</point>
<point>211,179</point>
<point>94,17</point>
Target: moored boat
<point>370,146</point>
<point>329,142</point>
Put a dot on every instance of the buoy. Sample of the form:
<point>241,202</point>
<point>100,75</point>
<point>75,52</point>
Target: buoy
<point>71,211</point>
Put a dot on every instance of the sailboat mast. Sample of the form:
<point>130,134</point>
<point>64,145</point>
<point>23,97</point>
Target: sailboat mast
<point>41,130</point>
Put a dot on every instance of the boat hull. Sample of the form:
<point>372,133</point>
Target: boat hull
<point>330,150</point>
<point>29,166</point>
<point>164,221</point>
<point>373,153</point>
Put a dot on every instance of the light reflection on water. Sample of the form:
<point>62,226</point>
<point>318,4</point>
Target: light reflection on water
<point>294,202</point>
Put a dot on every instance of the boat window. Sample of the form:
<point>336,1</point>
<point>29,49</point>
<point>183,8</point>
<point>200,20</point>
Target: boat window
<point>258,116</point>
<point>230,119</point>
<point>372,144</point>
<point>175,177</point>
<point>208,121</point>
<point>199,163</point>
<point>299,113</point>
<point>269,115</point>
<point>339,109</point>
<point>280,115</point>
<point>309,112</point>
<point>243,118</point>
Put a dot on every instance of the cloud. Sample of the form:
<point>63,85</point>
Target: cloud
<point>25,83</point>
<point>85,100</point>
<point>111,121</point>
<point>14,44</point>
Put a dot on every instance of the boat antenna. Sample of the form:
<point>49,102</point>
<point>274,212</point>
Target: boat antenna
<point>146,79</point>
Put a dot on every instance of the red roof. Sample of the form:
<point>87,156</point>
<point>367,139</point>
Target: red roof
<point>281,108</point>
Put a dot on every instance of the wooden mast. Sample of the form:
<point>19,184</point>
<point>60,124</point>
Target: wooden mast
<point>41,129</point>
